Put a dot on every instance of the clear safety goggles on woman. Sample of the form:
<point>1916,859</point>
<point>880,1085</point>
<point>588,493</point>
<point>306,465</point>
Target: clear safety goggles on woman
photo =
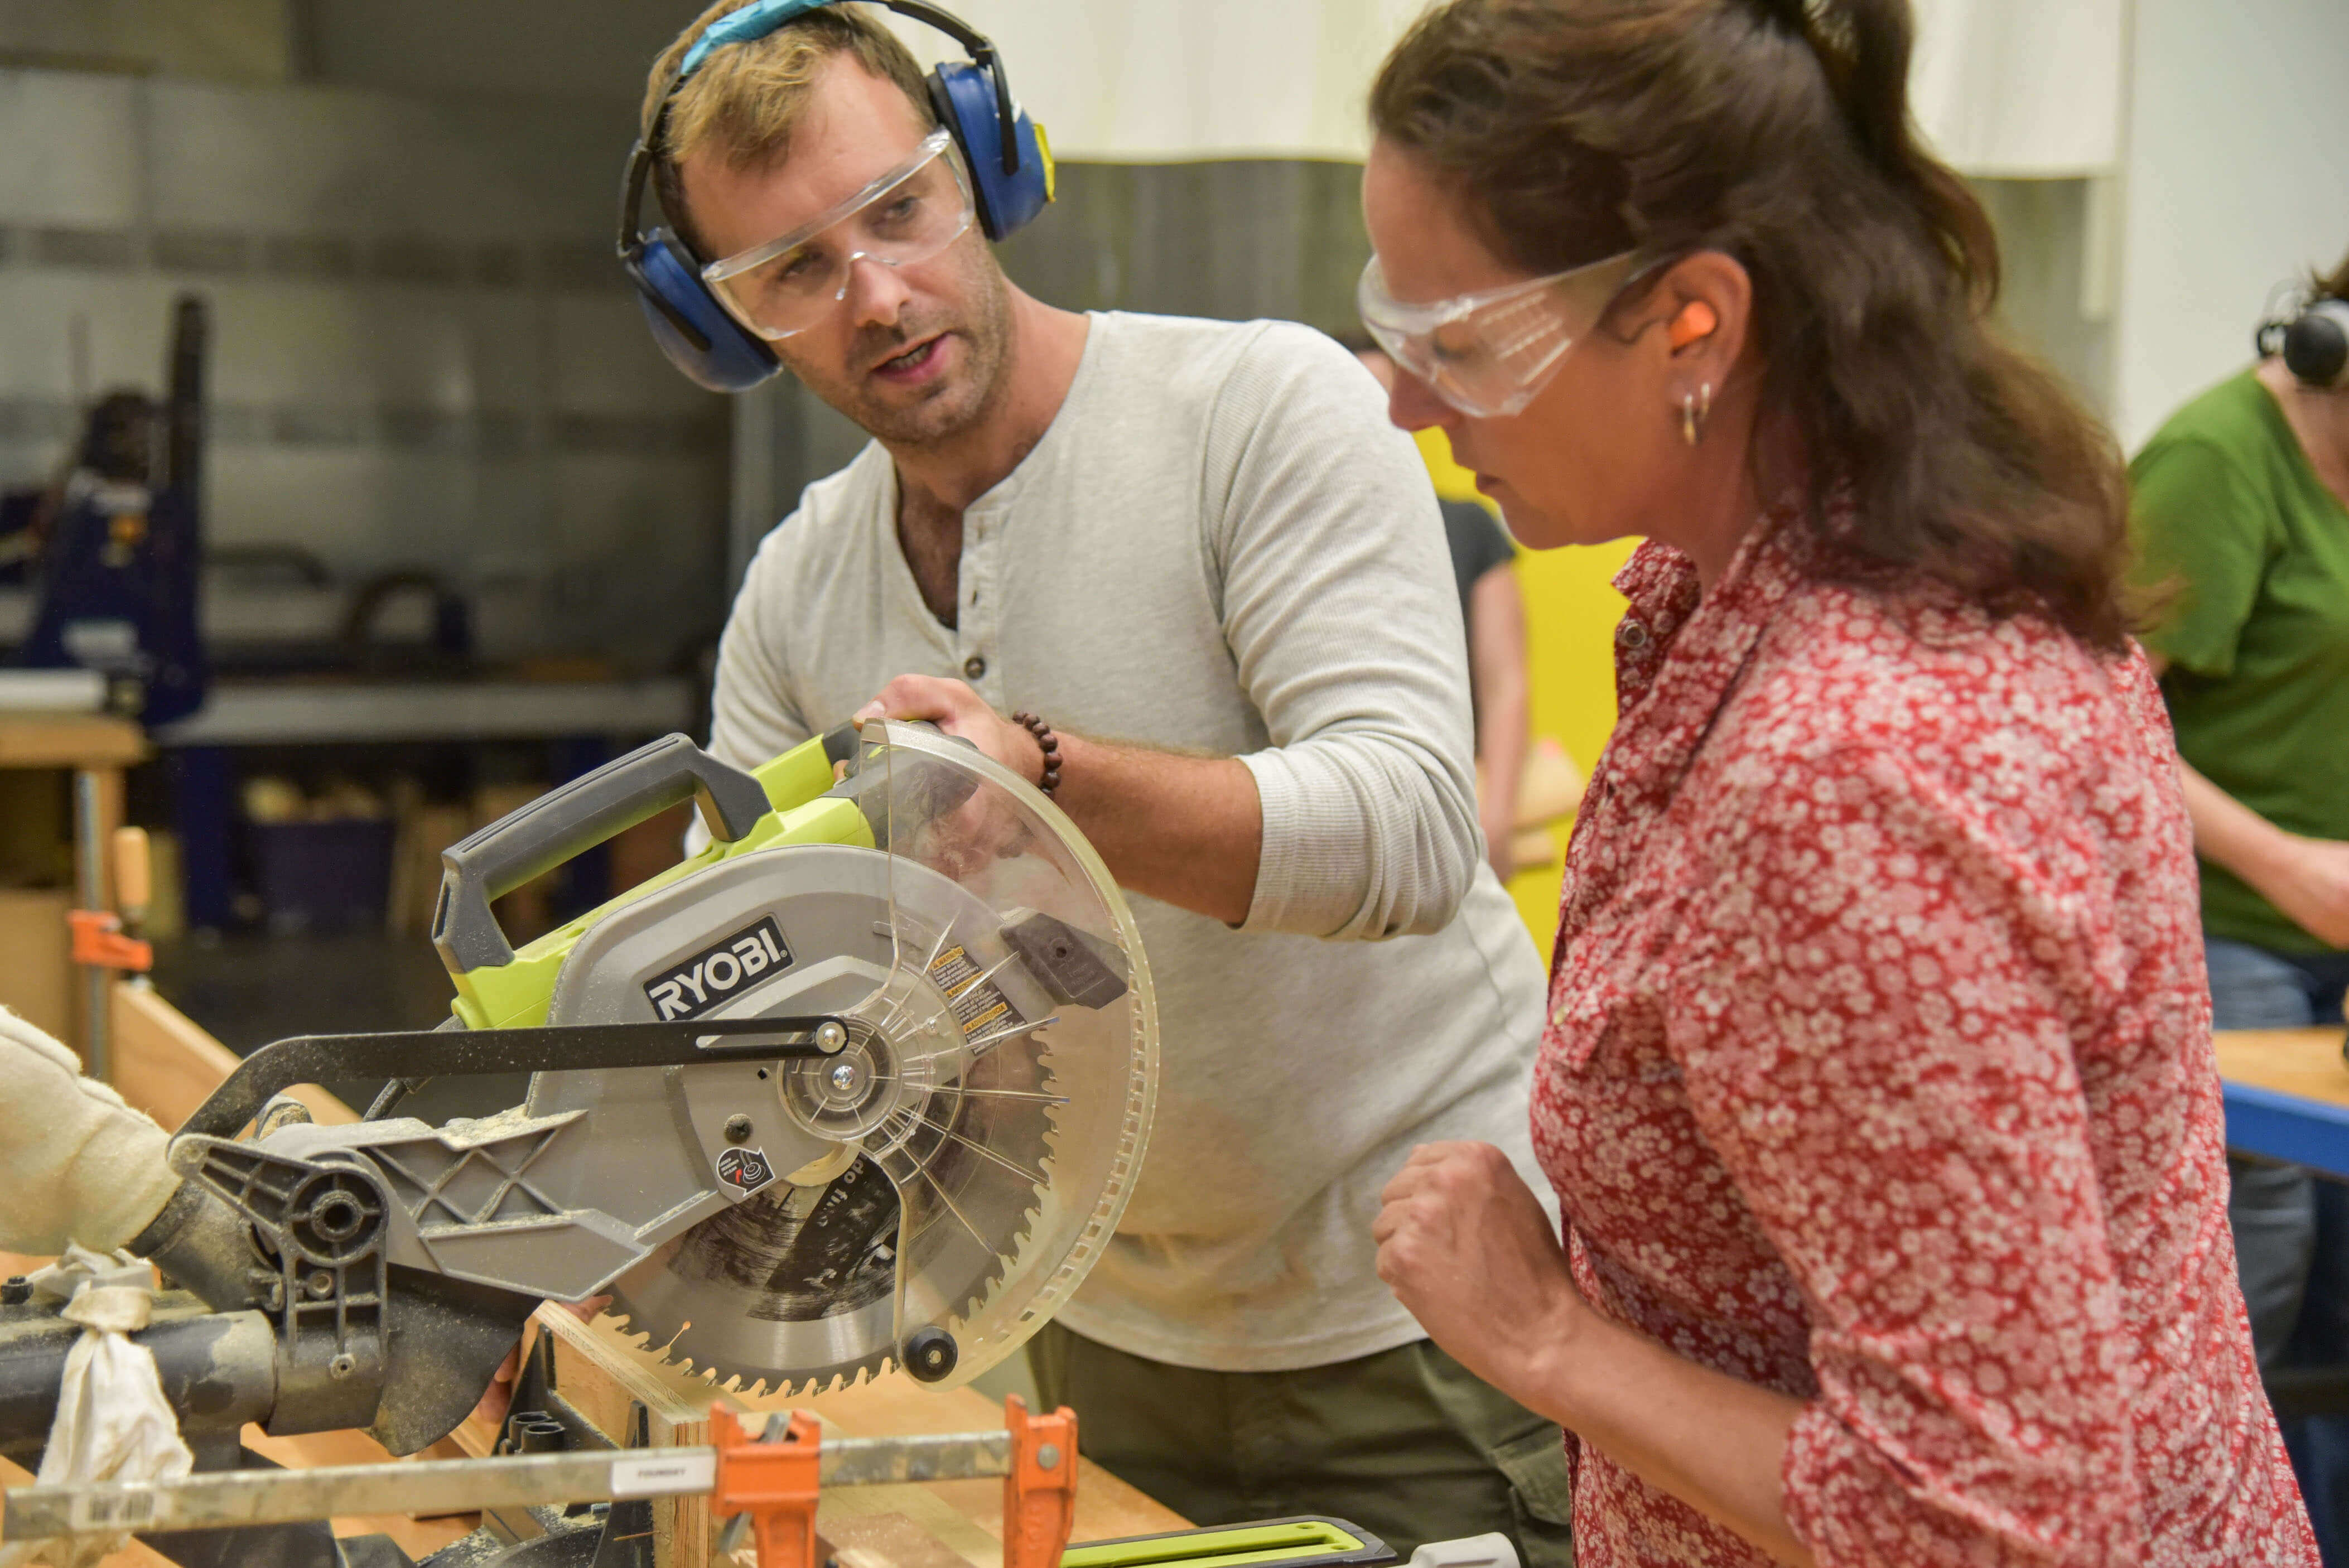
<point>907,215</point>
<point>1489,353</point>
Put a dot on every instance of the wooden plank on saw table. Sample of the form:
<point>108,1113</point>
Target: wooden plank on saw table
<point>598,1369</point>
<point>166,1064</point>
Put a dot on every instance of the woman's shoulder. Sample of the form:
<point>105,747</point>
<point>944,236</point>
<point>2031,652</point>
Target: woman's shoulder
<point>2043,762</point>
<point>1920,674</point>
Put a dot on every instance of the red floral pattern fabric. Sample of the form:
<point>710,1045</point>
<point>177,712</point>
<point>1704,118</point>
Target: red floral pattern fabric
<point>1879,1071</point>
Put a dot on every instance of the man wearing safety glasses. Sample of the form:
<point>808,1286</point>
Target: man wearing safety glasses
<point>1198,558</point>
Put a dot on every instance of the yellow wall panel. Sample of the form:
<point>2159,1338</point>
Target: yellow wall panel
<point>1571,609</point>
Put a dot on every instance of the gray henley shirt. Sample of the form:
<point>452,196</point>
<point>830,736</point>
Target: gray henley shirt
<point>1220,546</point>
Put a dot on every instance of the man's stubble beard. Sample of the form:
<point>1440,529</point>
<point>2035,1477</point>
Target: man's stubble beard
<point>952,407</point>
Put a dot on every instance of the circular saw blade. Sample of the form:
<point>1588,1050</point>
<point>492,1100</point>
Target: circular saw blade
<point>796,1287</point>
<point>996,1091</point>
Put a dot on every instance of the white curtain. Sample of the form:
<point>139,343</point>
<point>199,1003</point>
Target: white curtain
<point>2023,89</point>
<point>2020,88</point>
<point>1152,80</point>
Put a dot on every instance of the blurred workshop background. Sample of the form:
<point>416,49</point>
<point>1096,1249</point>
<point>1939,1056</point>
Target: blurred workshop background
<point>465,534</point>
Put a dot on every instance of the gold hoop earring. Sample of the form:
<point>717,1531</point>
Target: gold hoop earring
<point>1695,408</point>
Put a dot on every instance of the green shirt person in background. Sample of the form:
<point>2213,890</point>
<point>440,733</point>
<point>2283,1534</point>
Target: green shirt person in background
<point>2240,511</point>
<point>2238,505</point>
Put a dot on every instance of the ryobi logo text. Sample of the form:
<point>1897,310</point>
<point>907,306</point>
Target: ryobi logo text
<point>691,989</point>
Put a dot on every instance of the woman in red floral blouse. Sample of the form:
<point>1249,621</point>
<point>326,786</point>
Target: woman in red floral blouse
<point>1878,1086</point>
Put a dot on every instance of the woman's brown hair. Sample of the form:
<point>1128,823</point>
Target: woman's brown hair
<point>1778,132</point>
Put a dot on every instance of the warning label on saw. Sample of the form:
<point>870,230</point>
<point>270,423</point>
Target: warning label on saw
<point>977,1004</point>
<point>691,989</point>
<point>745,1170</point>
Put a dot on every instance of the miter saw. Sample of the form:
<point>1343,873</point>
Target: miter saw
<point>865,1083</point>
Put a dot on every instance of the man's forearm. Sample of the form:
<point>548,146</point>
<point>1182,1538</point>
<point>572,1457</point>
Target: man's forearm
<point>1186,830</point>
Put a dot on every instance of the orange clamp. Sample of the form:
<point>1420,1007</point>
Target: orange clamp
<point>97,940</point>
<point>774,1483</point>
<point>1040,1493</point>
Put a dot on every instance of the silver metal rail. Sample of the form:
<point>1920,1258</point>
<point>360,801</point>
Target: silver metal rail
<point>234,1498</point>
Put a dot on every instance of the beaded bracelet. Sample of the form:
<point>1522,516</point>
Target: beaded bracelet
<point>1046,742</point>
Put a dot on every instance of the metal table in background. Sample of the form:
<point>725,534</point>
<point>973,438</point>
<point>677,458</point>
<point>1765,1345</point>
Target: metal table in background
<point>585,720</point>
<point>299,713</point>
<point>2287,1093</point>
<point>96,750</point>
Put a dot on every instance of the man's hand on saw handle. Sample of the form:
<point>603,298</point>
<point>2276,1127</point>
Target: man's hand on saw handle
<point>961,712</point>
<point>1186,830</point>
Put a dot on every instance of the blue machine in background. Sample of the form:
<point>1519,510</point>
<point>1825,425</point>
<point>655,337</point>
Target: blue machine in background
<point>118,566</point>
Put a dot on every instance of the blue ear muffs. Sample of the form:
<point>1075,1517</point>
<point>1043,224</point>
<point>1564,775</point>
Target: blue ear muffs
<point>691,327</point>
<point>1008,157</point>
<point>1008,191</point>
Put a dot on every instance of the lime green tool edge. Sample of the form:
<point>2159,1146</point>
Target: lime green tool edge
<point>516,995</point>
<point>1303,1541</point>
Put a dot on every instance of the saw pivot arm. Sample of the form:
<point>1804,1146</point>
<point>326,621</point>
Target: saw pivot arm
<point>421,1054</point>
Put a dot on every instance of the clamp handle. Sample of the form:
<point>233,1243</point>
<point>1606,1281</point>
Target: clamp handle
<point>770,1481</point>
<point>134,874</point>
<point>569,821</point>
<point>1039,1490</point>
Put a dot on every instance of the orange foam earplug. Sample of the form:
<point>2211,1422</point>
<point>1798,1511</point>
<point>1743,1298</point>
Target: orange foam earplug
<point>1695,321</point>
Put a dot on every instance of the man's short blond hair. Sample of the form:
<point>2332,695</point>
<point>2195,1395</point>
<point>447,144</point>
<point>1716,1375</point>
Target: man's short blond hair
<point>747,98</point>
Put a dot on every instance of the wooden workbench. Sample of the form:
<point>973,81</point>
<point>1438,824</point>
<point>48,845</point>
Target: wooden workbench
<point>937,1525</point>
<point>36,974</point>
<point>2287,1094</point>
<point>69,740</point>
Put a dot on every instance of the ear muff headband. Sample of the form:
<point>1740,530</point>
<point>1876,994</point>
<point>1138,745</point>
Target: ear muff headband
<point>1010,167</point>
<point>758,20</point>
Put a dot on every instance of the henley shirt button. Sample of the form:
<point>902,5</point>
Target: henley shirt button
<point>1632,635</point>
<point>974,666</point>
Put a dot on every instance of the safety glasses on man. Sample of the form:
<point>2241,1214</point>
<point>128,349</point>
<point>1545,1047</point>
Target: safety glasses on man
<point>907,215</point>
<point>1489,353</point>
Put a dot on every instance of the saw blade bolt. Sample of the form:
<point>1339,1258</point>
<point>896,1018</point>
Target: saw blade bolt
<point>844,1077</point>
<point>931,1354</point>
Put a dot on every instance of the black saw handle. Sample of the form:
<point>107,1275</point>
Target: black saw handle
<point>568,821</point>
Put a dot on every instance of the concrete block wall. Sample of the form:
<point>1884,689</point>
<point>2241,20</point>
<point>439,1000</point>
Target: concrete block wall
<point>423,352</point>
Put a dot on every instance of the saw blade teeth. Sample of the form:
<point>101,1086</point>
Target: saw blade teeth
<point>968,1181</point>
